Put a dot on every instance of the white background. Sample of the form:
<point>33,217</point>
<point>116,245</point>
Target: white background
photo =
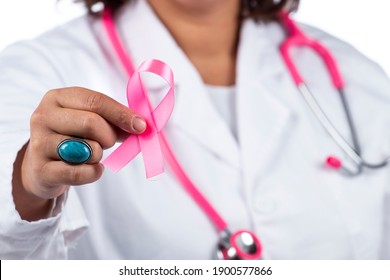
<point>363,23</point>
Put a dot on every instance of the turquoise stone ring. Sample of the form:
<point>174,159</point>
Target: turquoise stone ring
<point>74,151</point>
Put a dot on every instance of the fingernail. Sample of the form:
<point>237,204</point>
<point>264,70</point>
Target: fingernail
<point>139,124</point>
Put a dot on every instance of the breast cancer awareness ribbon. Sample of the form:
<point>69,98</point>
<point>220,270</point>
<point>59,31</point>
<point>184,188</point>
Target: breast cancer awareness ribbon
<point>148,142</point>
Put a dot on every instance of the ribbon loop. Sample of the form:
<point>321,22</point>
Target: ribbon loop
<point>147,142</point>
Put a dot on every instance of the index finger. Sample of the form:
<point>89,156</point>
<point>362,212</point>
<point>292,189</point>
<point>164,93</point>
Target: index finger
<point>101,104</point>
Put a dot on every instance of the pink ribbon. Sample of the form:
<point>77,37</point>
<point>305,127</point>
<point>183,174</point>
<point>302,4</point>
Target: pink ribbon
<point>147,142</point>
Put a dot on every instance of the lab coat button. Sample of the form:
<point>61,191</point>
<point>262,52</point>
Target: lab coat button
<point>263,205</point>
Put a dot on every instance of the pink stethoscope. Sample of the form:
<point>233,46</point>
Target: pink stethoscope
<point>244,244</point>
<point>296,37</point>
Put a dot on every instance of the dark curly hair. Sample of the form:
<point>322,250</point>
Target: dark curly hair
<point>257,9</point>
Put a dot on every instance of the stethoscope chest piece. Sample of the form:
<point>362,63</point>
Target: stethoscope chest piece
<point>241,245</point>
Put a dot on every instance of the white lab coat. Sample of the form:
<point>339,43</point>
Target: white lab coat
<point>272,181</point>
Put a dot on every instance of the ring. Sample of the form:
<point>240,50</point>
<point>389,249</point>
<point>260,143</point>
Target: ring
<point>74,151</point>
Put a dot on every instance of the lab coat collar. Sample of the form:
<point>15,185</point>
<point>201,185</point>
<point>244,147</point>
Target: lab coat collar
<point>194,114</point>
<point>263,117</point>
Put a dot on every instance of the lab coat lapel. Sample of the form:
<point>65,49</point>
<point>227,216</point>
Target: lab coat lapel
<point>263,119</point>
<point>194,113</point>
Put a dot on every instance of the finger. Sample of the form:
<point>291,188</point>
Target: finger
<point>58,173</point>
<point>54,140</point>
<point>111,110</point>
<point>83,124</point>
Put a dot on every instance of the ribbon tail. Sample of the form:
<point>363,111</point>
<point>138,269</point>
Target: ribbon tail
<point>152,154</point>
<point>123,154</point>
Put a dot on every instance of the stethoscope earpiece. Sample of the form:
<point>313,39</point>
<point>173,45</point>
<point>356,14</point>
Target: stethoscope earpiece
<point>241,245</point>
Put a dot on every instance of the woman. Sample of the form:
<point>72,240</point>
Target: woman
<point>239,129</point>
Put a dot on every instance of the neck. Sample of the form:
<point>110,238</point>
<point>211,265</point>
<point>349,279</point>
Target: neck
<point>207,31</point>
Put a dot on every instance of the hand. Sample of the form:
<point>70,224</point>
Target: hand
<point>65,113</point>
